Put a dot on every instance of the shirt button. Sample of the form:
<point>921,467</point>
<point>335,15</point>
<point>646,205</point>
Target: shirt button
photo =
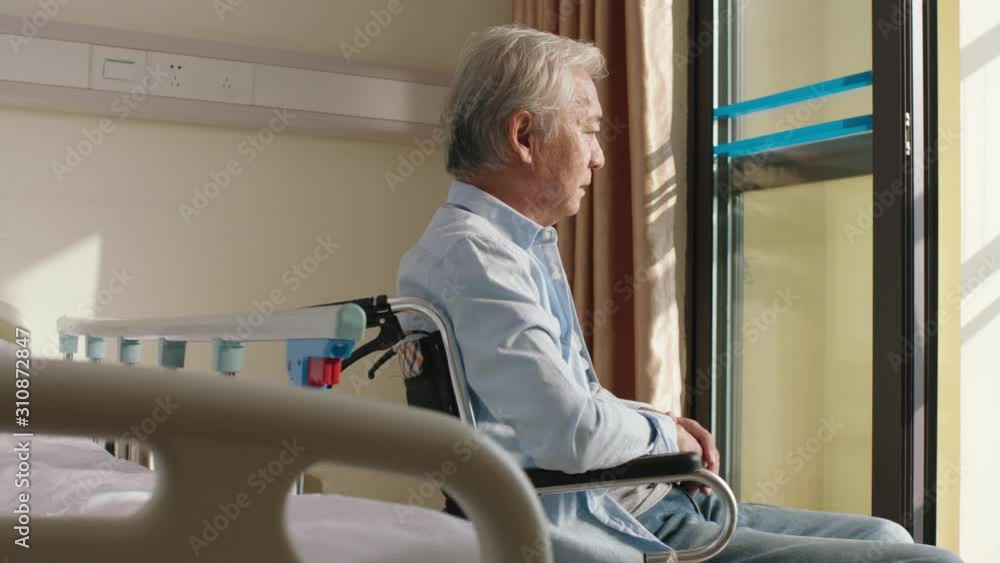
<point>547,235</point>
<point>557,276</point>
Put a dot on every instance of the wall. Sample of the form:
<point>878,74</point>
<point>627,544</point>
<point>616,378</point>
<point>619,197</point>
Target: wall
<point>118,214</point>
<point>950,270</point>
<point>979,291</point>
<point>425,35</point>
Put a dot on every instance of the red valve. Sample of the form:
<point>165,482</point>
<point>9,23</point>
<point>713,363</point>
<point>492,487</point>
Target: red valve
<point>324,371</point>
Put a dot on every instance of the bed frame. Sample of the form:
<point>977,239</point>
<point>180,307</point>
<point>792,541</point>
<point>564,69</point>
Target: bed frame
<point>223,430</point>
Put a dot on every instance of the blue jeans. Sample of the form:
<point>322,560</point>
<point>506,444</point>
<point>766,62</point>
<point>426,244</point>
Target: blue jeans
<point>770,534</point>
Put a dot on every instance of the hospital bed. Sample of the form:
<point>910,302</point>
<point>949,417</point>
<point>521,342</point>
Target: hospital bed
<point>205,451</point>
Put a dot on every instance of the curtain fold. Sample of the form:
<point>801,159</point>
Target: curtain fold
<point>624,251</point>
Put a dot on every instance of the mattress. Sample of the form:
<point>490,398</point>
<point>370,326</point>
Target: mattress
<point>76,476</point>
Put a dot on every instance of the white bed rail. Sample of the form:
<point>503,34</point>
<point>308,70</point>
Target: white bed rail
<point>345,320</point>
<point>332,321</point>
<point>219,431</point>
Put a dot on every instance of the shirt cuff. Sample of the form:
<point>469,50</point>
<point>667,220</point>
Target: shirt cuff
<point>636,405</point>
<point>664,433</point>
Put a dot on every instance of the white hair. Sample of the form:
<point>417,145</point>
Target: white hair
<point>502,70</point>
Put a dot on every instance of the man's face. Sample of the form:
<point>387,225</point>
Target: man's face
<point>565,164</point>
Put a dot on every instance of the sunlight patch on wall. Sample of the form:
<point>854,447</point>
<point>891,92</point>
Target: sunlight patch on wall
<point>63,283</point>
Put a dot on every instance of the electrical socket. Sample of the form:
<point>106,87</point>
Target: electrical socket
<point>204,79</point>
<point>175,82</point>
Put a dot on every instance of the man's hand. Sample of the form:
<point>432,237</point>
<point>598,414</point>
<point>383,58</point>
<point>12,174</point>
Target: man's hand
<point>692,431</point>
<point>692,437</point>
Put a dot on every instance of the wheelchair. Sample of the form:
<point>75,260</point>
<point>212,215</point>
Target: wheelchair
<point>436,381</point>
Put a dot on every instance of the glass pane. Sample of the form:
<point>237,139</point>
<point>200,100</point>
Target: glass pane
<point>787,44</point>
<point>804,375</point>
<point>784,44</point>
<point>800,263</point>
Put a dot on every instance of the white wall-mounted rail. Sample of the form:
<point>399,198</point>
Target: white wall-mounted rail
<point>116,73</point>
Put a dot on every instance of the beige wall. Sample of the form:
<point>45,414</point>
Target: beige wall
<point>424,34</point>
<point>979,291</point>
<point>950,269</point>
<point>119,210</point>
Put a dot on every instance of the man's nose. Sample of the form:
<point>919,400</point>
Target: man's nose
<point>597,158</point>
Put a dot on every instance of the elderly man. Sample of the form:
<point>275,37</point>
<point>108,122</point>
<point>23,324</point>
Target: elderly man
<point>523,125</point>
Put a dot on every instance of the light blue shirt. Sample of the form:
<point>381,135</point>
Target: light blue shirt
<point>498,277</point>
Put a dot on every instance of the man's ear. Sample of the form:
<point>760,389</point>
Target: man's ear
<point>519,128</point>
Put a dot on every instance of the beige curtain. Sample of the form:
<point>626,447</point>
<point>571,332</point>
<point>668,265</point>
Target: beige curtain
<point>624,251</point>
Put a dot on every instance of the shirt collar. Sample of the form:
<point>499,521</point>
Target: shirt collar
<point>521,230</point>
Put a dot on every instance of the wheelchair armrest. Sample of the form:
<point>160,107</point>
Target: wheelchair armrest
<point>647,469</point>
<point>650,469</point>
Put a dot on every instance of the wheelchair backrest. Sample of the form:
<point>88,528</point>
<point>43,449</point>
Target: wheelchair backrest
<point>426,375</point>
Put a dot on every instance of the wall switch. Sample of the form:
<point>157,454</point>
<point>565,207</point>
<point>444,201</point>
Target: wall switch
<point>118,70</point>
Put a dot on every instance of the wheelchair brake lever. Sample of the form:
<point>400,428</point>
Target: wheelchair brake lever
<point>379,314</point>
<point>380,362</point>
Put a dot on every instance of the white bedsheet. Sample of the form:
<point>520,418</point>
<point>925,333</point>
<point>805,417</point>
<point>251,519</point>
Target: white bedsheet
<point>76,476</point>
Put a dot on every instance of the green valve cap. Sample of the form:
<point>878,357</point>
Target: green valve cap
<point>172,353</point>
<point>228,355</point>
